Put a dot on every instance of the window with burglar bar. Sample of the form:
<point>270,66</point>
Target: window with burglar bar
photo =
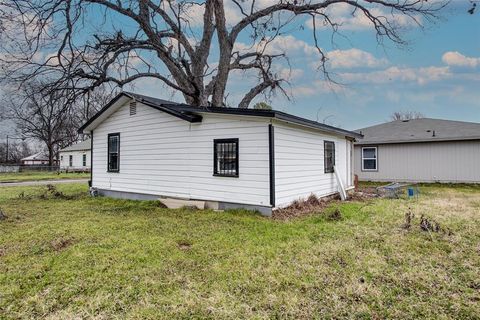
<point>114,152</point>
<point>329,156</point>
<point>225,154</point>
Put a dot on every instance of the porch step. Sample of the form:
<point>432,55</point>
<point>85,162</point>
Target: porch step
<point>175,203</point>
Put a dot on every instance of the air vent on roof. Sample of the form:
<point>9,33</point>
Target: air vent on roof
<point>133,108</point>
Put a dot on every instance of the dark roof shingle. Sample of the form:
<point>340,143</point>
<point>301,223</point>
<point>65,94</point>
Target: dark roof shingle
<point>419,130</point>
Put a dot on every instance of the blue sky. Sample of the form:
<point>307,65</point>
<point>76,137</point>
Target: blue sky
<point>437,73</point>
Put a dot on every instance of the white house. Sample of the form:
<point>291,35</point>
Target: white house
<point>76,157</point>
<point>147,148</point>
<point>419,150</point>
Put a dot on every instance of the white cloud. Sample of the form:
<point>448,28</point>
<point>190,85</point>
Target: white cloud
<point>350,19</point>
<point>456,59</point>
<point>290,74</point>
<point>287,44</point>
<point>353,58</point>
<point>318,87</point>
<point>421,76</point>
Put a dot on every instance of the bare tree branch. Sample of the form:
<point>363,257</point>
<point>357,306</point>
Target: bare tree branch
<point>68,48</point>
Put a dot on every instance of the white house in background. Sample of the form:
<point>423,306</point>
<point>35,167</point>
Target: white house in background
<point>76,157</point>
<point>420,150</point>
<point>147,148</point>
<point>37,159</point>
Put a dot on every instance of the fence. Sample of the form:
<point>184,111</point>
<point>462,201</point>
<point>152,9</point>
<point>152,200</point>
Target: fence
<point>27,168</point>
<point>6,168</point>
<point>12,168</point>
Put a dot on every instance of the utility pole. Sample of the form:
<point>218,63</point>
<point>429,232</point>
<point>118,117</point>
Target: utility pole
<point>6,153</point>
<point>6,149</point>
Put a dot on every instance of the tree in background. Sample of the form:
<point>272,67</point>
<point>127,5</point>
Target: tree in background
<point>52,119</point>
<point>262,106</point>
<point>16,151</point>
<point>192,47</point>
<point>406,115</point>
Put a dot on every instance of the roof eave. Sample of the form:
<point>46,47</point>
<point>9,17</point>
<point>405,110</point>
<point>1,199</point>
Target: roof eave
<point>417,140</point>
<point>190,117</point>
<point>316,125</point>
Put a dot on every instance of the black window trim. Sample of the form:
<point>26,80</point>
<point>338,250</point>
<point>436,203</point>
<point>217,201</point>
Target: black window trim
<point>376,159</point>
<point>325,142</point>
<point>215,169</point>
<point>108,152</point>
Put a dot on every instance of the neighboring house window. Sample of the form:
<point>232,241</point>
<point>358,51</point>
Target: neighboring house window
<point>84,160</point>
<point>329,156</point>
<point>70,161</point>
<point>61,158</point>
<point>225,154</point>
<point>369,158</point>
<point>114,152</point>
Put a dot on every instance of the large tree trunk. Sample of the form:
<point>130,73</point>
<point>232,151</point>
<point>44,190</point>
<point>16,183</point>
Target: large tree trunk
<point>51,155</point>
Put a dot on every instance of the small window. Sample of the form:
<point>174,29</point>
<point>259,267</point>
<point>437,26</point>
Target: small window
<point>225,154</point>
<point>61,158</point>
<point>84,160</point>
<point>114,152</point>
<point>369,159</point>
<point>329,156</point>
<point>70,161</point>
<point>133,108</point>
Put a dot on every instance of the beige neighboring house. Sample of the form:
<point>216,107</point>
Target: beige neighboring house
<point>37,159</point>
<point>76,157</point>
<point>419,150</point>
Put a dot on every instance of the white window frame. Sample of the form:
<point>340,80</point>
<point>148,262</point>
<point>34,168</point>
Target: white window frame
<point>376,159</point>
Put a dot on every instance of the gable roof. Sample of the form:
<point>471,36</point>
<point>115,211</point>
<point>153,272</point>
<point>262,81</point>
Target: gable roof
<point>193,114</point>
<point>419,130</point>
<point>81,146</point>
<point>37,156</point>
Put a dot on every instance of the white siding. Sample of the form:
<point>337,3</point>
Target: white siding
<point>299,164</point>
<point>456,161</point>
<point>164,155</point>
<point>77,160</point>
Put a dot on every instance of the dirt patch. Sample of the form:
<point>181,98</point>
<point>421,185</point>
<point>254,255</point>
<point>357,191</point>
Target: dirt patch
<point>313,204</point>
<point>50,191</point>
<point>304,207</point>
<point>3,216</point>
<point>334,215</point>
<point>365,193</point>
<point>60,244</point>
<point>184,245</point>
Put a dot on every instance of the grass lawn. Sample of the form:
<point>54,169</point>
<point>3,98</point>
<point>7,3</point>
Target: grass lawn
<point>103,258</point>
<point>39,175</point>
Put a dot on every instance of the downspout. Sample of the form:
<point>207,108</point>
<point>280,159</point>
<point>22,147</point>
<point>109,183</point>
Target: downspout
<point>271,160</point>
<point>90,183</point>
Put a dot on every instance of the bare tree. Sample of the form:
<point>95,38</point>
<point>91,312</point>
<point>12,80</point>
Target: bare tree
<point>46,118</point>
<point>190,46</point>
<point>16,151</point>
<point>406,115</point>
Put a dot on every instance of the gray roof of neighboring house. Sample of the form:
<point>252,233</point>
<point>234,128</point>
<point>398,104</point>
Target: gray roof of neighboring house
<point>419,130</point>
<point>193,114</point>
<point>84,145</point>
<point>37,156</point>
